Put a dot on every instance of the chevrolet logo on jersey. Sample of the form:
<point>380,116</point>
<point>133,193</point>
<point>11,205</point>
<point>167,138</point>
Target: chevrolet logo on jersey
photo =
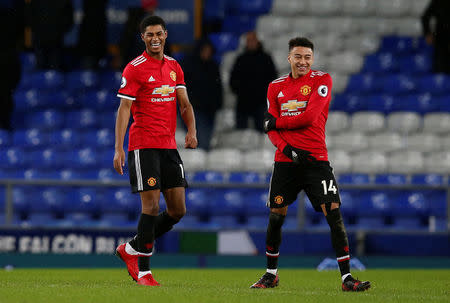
<point>164,90</point>
<point>293,105</point>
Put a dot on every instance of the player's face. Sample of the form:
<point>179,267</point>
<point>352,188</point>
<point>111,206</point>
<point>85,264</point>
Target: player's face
<point>301,58</point>
<point>154,38</point>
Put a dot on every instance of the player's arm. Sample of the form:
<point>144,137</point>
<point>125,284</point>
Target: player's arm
<point>320,97</point>
<point>123,117</point>
<point>187,114</point>
<point>273,110</point>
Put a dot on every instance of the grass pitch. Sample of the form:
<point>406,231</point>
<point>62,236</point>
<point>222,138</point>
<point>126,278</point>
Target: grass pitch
<point>218,285</point>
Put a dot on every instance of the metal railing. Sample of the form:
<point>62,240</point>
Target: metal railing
<point>10,183</point>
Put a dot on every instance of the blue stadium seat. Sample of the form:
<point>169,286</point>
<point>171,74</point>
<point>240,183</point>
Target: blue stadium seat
<point>411,203</point>
<point>370,223</point>
<point>189,222</point>
<point>102,138</point>
<point>66,138</point>
<point>226,202</point>
<point>427,179</point>
<point>30,138</point>
<point>82,158</point>
<point>208,177</point>
<point>224,42</point>
<point>81,80</point>
<point>438,204</point>
<point>380,63</point>
<point>36,219</point>
<point>53,198</point>
<point>408,224</point>
<point>349,103</point>
<point>83,200</point>
<point>110,80</point>
<point>31,99</point>
<point>100,100</point>
<point>48,79</point>
<point>247,177</point>
<point>5,139</point>
<point>47,119</point>
<point>255,202</point>
<point>444,104</point>
<point>420,103</point>
<point>238,24</point>
<point>258,222</point>
<point>12,158</point>
<point>109,174</point>
<point>380,103</point>
<point>114,220</point>
<point>417,63</point>
<point>197,201</point>
<point>435,84</point>
<point>397,44</point>
<point>21,196</point>
<point>82,119</point>
<point>250,7</point>
<point>353,178</point>
<point>375,203</point>
<point>392,179</point>
<point>47,158</point>
<point>398,84</point>
<point>119,200</point>
<point>224,221</point>
<point>362,83</point>
<point>74,219</point>
<point>350,202</point>
<point>60,100</point>
<point>28,60</point>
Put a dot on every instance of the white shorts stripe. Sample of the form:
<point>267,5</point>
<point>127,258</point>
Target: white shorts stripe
<point>137,163</point>
<point>344,257</point>
<point>182,170</point>
<point>270,186</point>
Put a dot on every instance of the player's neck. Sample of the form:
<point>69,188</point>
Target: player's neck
<point>157,56</point>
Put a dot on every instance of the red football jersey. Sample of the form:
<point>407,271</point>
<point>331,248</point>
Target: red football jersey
<point>151,84</point>
<point>301,108</point>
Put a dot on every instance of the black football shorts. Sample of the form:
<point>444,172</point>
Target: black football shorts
<point>316,179</point>
<point>154,168</point>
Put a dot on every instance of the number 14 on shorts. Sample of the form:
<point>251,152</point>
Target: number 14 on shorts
<point>330,187</point>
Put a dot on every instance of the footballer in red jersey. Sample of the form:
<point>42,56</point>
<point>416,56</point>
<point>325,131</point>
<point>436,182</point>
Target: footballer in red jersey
<point>152,87</point>
<point>295,123</point>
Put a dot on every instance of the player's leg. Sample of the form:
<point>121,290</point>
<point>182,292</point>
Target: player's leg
<point>176,209</point>
<point>282,192</point>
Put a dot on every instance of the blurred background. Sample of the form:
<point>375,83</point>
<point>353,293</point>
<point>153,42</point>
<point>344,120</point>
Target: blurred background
<point>388,131</point>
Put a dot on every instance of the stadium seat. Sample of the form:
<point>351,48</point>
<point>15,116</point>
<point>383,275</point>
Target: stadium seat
<point>367,122</point>
<point>358,7</point>
<point>209,177</point>
<point>110,79</point>
<point>444,104</point>
<point>362,83</point>
<point>348,103</point>
<point>101,138</point>
<point>226,202</point>
<point>258,160</point>
<point>389,8</point>
<point>337,121</point>
<point>197,201</point>
<point>107,119</point>
<point>12,158</point>
<point>247,177</point>
<point>224,160</point>
<point>47,79</point>
<point>446,142</point>
<point>437,204</point>
<point>65,139</point>
<point>47,158</point>
<point>324,7</point>
<point>353,179</point>
<point>424,142</point>
<point>404,122</point>
<point>390,179</point>
<point>346,61</point>
<point>243,139</point>
<point>408,26</point>
<point>396,84</point>
<point>397,44</point>
<point>386,142</point>
<point>255,202</point>
<point>257,222</point>
<point>31,99</point>
<point>420,103</point>
<point>82,158</point>
<point>369,162</point>
<point>81,119</point>
<point>417,63</point>
<point>340,161</point>
<point>351,141</point>
<point>78,81</point>
<point>120,200</point>
<point>47,119</point>
<point>251,7</point>
<point>406,162</point>
<point>427,179</point>
<point>437,123</point>
<point>269,25</point>
<point>238,24</point>
<point>288,7</point>
<point>380,103</point>
<point>375,203</point>
<point>193,159</point>
<point>224,42</point>
<point>437,84</point>
<point>100,100</point>
<point>31,138</point>
<point>438,162</point>
<point>380,63</point>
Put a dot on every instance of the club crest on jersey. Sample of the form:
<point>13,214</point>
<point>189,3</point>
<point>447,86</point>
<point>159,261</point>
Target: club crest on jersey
<point>164,90</point>
<point>173,75</point>
<point>278,199</point>
<point>151,181</point>
<point>305,90</point>
<point>293,105</point>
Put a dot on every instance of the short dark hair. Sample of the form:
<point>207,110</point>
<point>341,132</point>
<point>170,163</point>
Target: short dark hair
<point>152,20</point>
<point>300,41</point>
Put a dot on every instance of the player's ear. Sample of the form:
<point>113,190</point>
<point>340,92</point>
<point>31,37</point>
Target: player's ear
<point>289,58</point>
<point>165,32</point>
<point>142,37</point>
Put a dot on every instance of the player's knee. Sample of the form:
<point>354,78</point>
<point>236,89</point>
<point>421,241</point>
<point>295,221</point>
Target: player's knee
<point>276,220</point>
<point>335,220</point>
<point>150,207</point>
<point>177,214</point>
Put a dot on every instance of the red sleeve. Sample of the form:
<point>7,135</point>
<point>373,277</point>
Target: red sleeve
<point>273,109</point>
<point>320,97</point>
<point>180,76</point>
<point>130,84</point>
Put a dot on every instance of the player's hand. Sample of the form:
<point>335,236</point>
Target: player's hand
<point>191,140</point>
<point>270,122</point>
<point>297,155</point>
<point>119,160</point>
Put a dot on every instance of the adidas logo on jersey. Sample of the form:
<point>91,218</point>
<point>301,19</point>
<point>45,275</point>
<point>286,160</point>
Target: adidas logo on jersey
<point>151,79</point>
<point>280,95</point>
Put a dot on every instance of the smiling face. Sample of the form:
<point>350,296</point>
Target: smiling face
<point>301,58</point>
<point>155,38</point>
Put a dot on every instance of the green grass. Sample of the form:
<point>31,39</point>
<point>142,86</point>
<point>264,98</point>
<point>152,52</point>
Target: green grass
<point>218,285</point>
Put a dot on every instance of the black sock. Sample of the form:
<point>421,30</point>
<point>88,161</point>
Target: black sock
<point>339,240</point>
<point>163,224</point>
<point>273,239</point>
<point>145,238</point>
